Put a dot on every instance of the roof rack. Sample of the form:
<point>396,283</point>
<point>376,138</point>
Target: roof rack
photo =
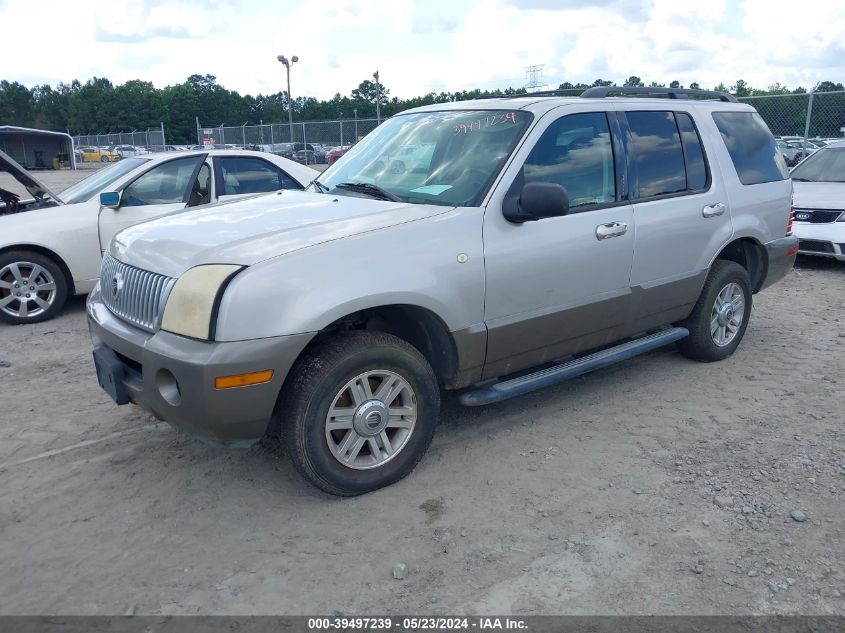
<point>600,92</point>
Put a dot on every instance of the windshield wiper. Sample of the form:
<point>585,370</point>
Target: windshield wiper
<point>320,187</point>
<point>372,190</point>
<point>800,180</point>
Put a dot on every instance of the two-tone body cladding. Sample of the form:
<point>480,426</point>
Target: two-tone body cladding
<point>457,246</point>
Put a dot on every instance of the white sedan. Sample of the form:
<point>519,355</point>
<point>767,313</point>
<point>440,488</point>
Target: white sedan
<point>51,246</point>
<point>819,202</point>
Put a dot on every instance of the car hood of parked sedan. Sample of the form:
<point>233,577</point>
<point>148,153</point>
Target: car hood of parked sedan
<point>250,231</point>
<point>818,195</point>
<point>34,187</point>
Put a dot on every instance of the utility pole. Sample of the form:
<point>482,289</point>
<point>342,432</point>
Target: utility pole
<point>355,140</point>
<point>378,99</point>
<point>287,65</point>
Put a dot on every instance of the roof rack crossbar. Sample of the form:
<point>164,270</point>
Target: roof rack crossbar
<point>600,92</point>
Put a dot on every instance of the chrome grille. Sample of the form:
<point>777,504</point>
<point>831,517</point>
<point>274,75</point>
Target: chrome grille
<point>135,295</point>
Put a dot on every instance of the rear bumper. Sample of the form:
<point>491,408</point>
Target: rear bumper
<point>780,255</point>
<point>152,363</point>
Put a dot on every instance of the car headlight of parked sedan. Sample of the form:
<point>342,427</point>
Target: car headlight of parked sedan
<point>191,308</point>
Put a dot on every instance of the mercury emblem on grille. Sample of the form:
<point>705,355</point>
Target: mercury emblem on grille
<point>116,285</point>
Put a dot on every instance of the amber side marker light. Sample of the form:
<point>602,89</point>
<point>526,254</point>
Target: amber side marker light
<point>243,380</point>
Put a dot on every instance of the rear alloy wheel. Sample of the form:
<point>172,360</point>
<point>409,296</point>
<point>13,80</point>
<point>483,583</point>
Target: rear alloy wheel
<point>720,317</point>
<point>358,412</point>
<point>32,287</point>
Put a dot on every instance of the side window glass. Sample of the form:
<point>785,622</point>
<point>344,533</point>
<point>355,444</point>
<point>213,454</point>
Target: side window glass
<point>752,147</point>
<point>576,152</point>
<point>694,152</point>
<point>164,184</point>
<point>201,190</point>
<point>657,153</point>
<point>244,174</point>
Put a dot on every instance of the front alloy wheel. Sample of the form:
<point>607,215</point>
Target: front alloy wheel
<point>358,412</point>
<point>371,419</point>
<point>32,287</point>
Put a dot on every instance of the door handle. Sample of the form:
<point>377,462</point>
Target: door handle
<point>611,229</point>
<point>712,210</point>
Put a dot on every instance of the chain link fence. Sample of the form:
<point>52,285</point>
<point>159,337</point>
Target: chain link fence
<point>819,115</point>
<point>152,138</point>
<point>339,133</point>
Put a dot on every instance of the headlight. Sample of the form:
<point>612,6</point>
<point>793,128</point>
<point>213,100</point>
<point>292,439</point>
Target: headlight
<point>191,308</point>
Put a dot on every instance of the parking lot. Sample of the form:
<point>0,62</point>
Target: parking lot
<point>656,486</point>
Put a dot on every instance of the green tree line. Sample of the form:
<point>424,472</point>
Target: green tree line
<point>99,106</point>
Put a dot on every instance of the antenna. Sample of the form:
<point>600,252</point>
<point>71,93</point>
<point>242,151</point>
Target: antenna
<point>533,74</point>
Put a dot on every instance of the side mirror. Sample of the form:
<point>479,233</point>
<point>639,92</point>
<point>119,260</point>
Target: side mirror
<point>536,201</point>
<point>110,199</point>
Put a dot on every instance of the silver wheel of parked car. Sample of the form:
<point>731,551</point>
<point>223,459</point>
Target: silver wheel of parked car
<point>721,314</point>
<point>727,314</point>
<point>371,419</point>
<point>27,289</point>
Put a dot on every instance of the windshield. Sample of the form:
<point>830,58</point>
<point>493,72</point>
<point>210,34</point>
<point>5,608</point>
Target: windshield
<point>825,165</point>
<point>86,189</point>
<point>445,158</point>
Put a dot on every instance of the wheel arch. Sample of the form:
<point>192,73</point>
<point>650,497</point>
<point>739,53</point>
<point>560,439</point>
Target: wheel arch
<point>418,326</point>
<point>751,255</point>
<point>46,252</point>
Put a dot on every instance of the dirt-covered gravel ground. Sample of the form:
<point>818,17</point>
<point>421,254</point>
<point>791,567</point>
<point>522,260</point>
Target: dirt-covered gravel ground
<point>656,486</point>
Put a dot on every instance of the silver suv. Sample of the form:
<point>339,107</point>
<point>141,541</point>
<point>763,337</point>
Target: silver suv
<point>493,247</point>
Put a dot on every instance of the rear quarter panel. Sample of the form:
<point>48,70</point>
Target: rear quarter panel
<point>758,211</point>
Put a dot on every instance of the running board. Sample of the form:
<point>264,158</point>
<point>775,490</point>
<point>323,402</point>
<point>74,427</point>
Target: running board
<point>553,375</point>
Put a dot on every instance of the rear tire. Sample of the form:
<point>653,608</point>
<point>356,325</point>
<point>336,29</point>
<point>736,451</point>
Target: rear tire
<point>720,316</point>
<point>33,287</point>
<point>358,412</point>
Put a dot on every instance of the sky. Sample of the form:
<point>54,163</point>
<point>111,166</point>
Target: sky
<point>419,46</point>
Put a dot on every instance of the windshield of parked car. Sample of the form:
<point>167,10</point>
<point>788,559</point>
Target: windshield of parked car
<point>825,165</point>
<point>86,189</point>
<point>446,158</point>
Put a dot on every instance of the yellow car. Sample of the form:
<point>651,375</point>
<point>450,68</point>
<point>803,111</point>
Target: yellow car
<point>97,155</point>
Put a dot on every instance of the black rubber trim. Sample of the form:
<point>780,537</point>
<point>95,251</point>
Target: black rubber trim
<point>218,298</point>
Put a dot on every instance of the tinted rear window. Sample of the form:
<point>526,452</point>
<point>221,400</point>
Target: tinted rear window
<point>752,147</point>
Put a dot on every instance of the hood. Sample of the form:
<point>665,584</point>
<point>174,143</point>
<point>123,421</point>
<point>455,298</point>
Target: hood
<point>249,231</point>
<point>35,187</point>
<point>818,195</point>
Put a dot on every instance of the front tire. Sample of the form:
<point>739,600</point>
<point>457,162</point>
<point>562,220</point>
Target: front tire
<point>33,287</point>
<point>358,412</point>
<point>720,317</point>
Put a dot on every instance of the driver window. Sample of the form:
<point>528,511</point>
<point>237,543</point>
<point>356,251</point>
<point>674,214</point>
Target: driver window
<point>576,152</point>
<point>164,184</point>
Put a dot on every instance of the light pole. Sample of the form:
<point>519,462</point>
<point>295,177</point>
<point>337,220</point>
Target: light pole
<point>355,140</point>
<point>378,98</point>
<point>287,65</point>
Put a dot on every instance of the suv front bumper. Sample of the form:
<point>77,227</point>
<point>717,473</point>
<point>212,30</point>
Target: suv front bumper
<point>173,377</point>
